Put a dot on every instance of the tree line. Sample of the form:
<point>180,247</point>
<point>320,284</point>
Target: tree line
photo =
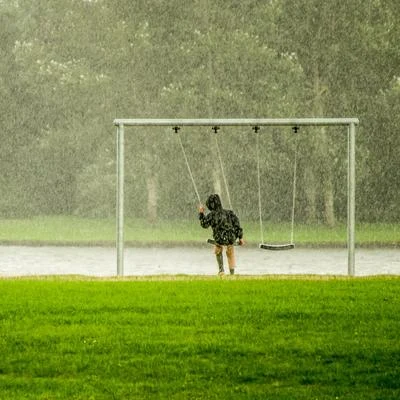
<point>70,67</point>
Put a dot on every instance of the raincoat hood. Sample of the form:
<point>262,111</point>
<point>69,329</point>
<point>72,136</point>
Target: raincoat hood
<point>213,202</point>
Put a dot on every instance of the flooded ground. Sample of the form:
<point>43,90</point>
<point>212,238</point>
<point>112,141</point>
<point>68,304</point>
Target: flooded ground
<point>97,261</point>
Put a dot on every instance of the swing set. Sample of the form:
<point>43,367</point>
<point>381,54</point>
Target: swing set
<point>256,124</point>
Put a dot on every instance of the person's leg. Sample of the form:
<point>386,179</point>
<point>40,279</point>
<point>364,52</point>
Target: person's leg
<point>220,260</point>
<point>230,254</point>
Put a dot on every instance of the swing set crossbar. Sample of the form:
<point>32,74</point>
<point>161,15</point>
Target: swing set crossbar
<point>237,122</point>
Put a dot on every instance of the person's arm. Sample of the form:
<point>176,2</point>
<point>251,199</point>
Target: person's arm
<point>238,229</point>
<point>205,221</point>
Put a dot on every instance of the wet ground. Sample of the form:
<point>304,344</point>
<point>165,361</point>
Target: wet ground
<point>97,261</point>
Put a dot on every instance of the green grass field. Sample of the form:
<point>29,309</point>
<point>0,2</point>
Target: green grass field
<point>327,338</point>
<point>80,231</point>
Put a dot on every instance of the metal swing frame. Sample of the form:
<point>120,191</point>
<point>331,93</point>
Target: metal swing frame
<point>350,123</point>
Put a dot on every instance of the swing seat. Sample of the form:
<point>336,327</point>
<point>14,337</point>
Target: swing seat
<point>212,241</point>
<point>288,246</point>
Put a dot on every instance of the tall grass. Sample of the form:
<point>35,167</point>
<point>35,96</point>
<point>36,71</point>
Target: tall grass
<point>80,231</point>
<point>200,339</point>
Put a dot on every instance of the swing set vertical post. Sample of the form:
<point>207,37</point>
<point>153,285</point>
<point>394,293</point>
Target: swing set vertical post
<point>351,193</point>
<point>120,200</point>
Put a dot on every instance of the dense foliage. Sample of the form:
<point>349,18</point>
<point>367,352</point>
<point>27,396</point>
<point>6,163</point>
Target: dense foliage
<point>69,67</point>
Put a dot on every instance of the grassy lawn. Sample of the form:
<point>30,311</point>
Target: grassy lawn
<point>200,339</point>
<point>74,230</point>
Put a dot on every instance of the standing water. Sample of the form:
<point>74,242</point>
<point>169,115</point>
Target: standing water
<point>97,261</point>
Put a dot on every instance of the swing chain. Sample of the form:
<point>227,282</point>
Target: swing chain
<point>256,129</point>
<point>216,129</point>
<point>295,130</point>
<point>176,129</point>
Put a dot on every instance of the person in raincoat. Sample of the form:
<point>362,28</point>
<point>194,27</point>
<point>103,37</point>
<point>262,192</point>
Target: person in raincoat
<point>226,230</point>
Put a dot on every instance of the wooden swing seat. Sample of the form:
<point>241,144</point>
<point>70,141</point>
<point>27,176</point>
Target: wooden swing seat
<point>288,246</point>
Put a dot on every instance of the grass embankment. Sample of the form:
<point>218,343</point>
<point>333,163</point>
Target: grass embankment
<point>80,231</point>
<point>200,339</point>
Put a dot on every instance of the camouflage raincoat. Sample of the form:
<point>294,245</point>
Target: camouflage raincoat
<point>224,223</point>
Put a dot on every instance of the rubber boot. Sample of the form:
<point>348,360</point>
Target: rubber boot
<point>220,262</point>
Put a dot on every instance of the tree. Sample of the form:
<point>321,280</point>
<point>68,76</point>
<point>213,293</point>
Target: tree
<point>379,189</point>
<point>331,40</point>
<point>70,67</point>
<point>64,84</point>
